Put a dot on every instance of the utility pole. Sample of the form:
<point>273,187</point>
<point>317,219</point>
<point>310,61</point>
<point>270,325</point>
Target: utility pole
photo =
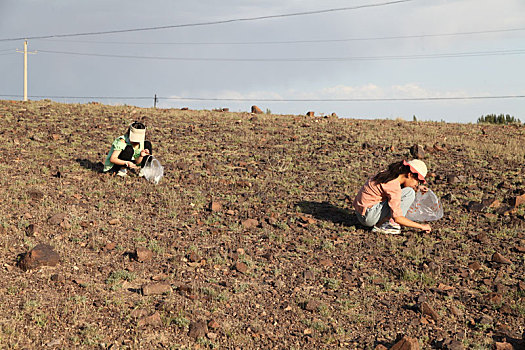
<point>155,101</point>
<point>25,68</point>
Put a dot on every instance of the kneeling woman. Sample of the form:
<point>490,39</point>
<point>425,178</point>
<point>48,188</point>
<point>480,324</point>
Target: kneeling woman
<point>385,198</point>
<point>129,151</point>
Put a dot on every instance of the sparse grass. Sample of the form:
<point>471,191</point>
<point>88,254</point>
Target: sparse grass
<point>259,167</point>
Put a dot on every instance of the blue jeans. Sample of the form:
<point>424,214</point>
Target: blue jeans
<point>380,211</point>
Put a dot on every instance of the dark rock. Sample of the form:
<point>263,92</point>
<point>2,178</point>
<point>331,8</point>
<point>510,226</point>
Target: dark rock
<point>311,305</point>
<point>193,257</point>
<point>309,275</point>
<point>500,259</point>
<point>406,343</point>
<point>57,218</point>
<point>41,255</point>
<point>517,201</point>
<point>426,309</point>
<point>198,329</point>
<point>241,267</point>
<point>143,254</point>
<point>482,238</point>
<point>31,230</point>
<point>152,320</point>
<point>474,206</point>
<point>475,266</point>
<point>417,151</point>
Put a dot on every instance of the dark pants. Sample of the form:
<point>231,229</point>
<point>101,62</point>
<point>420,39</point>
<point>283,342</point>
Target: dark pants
<point>127,154</point>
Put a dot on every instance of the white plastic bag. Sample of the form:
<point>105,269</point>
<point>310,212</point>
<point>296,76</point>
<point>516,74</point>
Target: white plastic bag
<point>426,207</point>
<point>153,171</point>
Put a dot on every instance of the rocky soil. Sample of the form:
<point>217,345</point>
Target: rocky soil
<point>249,241</point>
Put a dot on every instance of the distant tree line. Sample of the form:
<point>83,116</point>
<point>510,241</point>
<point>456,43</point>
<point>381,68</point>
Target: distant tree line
<point>498,119</point>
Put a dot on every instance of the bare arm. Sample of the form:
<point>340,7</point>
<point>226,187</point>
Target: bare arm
<point>403,221</point>
<point>114,159</point>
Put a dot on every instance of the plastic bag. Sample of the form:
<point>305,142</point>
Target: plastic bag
<point>153,171</point>
<point>426,207</point>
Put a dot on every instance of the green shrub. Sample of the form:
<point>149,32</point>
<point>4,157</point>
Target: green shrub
<point>498,119</point>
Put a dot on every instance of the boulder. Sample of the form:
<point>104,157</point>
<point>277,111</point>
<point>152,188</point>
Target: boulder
<point>41,255</point>
<point>256,110</point>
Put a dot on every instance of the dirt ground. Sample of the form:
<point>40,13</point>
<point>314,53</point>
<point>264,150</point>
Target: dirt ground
<point>249,241</point>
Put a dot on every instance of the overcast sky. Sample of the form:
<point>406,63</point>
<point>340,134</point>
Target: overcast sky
<point>357,69</point>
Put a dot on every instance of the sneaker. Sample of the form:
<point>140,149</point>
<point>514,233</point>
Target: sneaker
<point>388,229</point>
<point>123,172</point>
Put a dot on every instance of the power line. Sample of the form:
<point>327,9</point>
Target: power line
<point>393,99</point>
<point>245,19</point>
<point>313,41</point>
<point>301,59</point>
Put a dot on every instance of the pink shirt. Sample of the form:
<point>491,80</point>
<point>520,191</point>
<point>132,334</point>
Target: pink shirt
<point>372,193</point>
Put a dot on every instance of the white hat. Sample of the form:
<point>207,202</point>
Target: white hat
<point>137,135</point>
<point>418,167</point>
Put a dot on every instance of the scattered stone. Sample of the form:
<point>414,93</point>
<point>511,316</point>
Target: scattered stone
<point>211,335</point>
<point>309,275</point>
<point>59,278</point>
<point>311,305</point>
<point>381,347</point>
<point>241,267</point>
<point>114,222</point>
<point>159,277</point>
<point>491,203</point>
<point>31,230</point>
<point>482,238</point>
<point>517,201</point>
<point>250,223</point>
<point>455,311</point>
<point>439,148</point>
<point>494,298</point>
<point>474,206</point>
<point>138,313</point>
<point>426,309</point>
<point>503,346</point>
<point>193,257</point>
<point>212,324</point>
<point>417,151</point>
<point>82,282</point>
<point>215,206</point>
<point>451,344</point>
<point>310,114</point>
<point>455,179</point>
<point>198,329</point>
<point>57,219</point>
<point>326,262</point>
<point>500,259</point>
<point>41,255</point>
<point>406,343</point>
<point>152,320</point>
<point>486,320</point>
<point>256,110</point>
<point>474,266</point>
<point>143,254</point>
<point>156,289</point>
<point>110,246</point>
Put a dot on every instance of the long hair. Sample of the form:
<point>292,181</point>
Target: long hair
<point>392,172</point>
